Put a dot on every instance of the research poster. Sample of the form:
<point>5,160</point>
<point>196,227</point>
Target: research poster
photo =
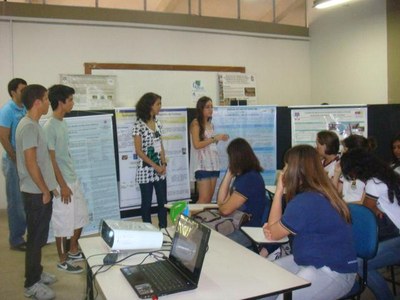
<point>92,150</point>
<point>174,122</point>
<point>307,122</point>
<point>256,124</point>
<point>237,87</point>
<point>92,91</point>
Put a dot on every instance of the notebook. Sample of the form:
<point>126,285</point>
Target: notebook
<point>180,271</point>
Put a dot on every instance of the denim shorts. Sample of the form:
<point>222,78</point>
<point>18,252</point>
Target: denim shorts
<point>200,175</point>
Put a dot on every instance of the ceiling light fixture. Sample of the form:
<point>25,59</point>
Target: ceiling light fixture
<point>327,3</point>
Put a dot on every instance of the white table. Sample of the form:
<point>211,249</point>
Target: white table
<point>230,271</point>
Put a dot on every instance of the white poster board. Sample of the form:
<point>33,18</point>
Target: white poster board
<point>307,122</point>
<point>91,91</point>
<point>256,124</point>
<point>174,122</point>
<point>92,150</point>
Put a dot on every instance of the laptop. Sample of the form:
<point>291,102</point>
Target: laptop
<point>180,271</point>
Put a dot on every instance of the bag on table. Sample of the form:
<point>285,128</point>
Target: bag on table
<point>223,224</point>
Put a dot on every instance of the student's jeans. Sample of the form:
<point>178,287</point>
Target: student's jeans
<point>146,191</point>
<point>38,217</point>
<point>388,254</point>
<point>15,206</point>
<point>325,283</point>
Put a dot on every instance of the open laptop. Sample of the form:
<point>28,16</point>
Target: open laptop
<point>181,270</point>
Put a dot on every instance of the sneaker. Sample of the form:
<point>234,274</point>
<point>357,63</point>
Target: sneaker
<point>39,291</point>
<point>67,267</point>
<point>76,257</point>
<point>47,278</point>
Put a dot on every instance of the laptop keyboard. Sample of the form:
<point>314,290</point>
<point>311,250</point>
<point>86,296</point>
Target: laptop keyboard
<point>163,276</point>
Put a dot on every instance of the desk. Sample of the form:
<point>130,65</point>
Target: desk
<point>222,276</point>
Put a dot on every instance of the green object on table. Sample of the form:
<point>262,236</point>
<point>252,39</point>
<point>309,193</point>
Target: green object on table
<point>177,208</point>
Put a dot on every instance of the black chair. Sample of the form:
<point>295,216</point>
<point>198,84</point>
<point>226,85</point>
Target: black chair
<point>365,233</point>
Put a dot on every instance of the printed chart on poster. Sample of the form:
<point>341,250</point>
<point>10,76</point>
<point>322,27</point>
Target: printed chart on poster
<point>256,124</point>
<point>92,150</point>
<point>174,122</point>
<point>92,91</point>
<point>307,122</point>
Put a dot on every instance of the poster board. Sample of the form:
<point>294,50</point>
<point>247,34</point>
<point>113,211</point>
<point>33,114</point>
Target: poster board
<point>306,122</point>
<point>174,122</point>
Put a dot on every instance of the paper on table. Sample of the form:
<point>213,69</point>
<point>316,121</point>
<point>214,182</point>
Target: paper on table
<point>257,235</point>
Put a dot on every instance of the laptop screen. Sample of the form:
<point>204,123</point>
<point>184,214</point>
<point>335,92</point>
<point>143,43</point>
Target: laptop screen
<point>189,246</point>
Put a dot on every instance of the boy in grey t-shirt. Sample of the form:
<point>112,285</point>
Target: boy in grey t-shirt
<point>37,183</point>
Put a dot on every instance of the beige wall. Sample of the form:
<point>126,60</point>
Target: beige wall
<point>393,42</point>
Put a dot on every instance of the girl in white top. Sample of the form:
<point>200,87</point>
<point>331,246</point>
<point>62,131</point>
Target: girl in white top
<point>396,154</point>
<point>382,196</point>
<point>204,160</point>
<point>353,190</point>
<point>327,145</point>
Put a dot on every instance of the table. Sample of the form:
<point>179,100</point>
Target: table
<point>230,271</point>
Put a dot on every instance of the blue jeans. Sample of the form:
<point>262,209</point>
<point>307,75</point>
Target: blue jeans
<point>38,217</point>
<point>146,191</point>
<point>15,206</point>
<point>388,254</point>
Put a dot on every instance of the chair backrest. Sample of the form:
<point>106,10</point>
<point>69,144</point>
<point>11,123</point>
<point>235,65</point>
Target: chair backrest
<point>365,231</point>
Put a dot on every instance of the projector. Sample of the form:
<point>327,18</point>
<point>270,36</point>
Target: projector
<point>129,235</point>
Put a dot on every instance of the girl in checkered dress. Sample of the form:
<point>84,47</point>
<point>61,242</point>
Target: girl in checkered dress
<point>152,166</point>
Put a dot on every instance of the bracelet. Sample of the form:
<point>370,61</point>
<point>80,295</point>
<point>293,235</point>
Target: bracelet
<point>213,139</point>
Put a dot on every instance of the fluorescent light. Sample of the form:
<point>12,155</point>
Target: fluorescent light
<point>327,3</point>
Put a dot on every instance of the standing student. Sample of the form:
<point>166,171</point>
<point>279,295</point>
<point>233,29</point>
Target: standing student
<point>70,213</point>
<point>242,188</point>
<point>204,160</point>
<point>37,182</point>
<point>10,115</point>
<point>152,166</point>
<point>323,248</point>
<point>396,154</point>
<point>382,196</point>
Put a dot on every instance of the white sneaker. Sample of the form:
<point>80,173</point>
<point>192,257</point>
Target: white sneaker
<point>47,278</point>
<point>39,291</point>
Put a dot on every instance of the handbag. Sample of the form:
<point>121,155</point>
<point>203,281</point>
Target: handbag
<point>223,224</point>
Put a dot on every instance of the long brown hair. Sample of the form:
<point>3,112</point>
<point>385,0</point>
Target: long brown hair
<point>304,172</point>
<point>201,103</point>
<point>241,157</point>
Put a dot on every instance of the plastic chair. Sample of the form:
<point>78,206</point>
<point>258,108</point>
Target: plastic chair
<point>365,234</point>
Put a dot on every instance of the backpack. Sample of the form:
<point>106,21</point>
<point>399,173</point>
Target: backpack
<point>223,224</point>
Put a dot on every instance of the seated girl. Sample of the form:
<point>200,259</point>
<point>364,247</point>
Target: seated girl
<point>323,251</point>
<point>242,188</point>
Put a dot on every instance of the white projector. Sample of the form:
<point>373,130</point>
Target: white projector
<point>129,235</point>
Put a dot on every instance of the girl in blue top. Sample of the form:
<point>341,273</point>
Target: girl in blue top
<point>242,188</point>
<point>323,249</point>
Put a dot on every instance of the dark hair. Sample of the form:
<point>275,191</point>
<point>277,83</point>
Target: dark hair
<point>59,92</point>
<point>364,165</point>
<point>31,93</point>
<point>395,161</point>
<point>331,141</point>
<point>143,106</point>
<point>14,83</point>
<point>304,172</point>
<point>358,141</point>
<point>242,157</point>
<point>201,103</point>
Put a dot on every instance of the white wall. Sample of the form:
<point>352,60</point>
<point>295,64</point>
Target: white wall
<point>348,53</point>
<point>39,52</point>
